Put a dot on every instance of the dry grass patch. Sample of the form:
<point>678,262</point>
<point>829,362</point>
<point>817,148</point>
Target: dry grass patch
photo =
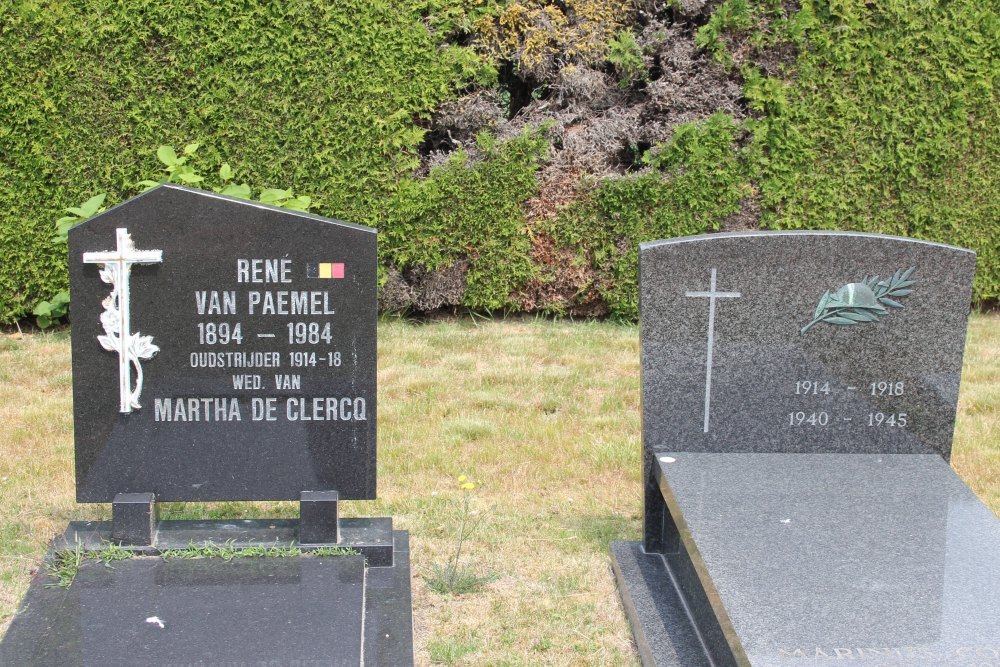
<point>544,416</point>
<point>976,454</point>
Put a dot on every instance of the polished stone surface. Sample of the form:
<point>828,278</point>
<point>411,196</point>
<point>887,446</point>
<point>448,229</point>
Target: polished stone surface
<point>664,633</point>
<point>763,372</point>
<point>388,610</point>
<point>254,611</point>
<point>319,517</point>
<point>257,611</point>
<point>133,518</point>
<point>886,560</point>
<point>798,504</point>
<point>371,537</point>
<point>292,405</point>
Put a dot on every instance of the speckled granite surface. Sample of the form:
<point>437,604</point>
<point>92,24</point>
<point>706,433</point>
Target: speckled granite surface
<point>767,387</point>
<point>883,560</point>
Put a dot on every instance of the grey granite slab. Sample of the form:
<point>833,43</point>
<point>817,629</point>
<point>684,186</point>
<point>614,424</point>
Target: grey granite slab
<point>732,359</point>
<point>146,611</point>
<point>879,559</point>
<point>285,405</point>
<point>665,634</point>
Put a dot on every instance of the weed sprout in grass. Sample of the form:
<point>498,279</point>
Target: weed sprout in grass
<point>453,577</point>
<point>64,566</point>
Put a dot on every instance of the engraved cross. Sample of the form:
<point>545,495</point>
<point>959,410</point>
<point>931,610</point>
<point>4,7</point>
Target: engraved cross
<point>711,295</point>
<point>131,348</point>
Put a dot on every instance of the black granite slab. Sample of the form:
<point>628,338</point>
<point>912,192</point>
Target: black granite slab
<point>748,370</point>
<point>880,560</point>
<point>371,537</point>
<point>146,611</point>
<point>308,610</point>
<point>388,605</point>
<point>286,405</point>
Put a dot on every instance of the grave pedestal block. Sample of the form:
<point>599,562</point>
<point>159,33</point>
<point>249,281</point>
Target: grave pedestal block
<point>133,519</point>
<point>319,520</point>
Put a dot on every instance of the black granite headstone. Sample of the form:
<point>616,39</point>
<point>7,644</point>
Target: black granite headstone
<point>799,394</point>
<point>247,371</point>
<point>222,350</point>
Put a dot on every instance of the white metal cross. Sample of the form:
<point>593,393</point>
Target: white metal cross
<point>712,295</point>
<point>115,318</point>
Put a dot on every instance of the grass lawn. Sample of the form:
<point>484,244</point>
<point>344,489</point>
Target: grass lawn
<point>543,416</point>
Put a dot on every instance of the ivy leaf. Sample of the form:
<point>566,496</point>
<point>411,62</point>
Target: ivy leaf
<point>300,203</point>
<point>241,191</point>
<point>60,299</point>
<point>189,177</point>
<point>63,225</point>
<point>273,195</point>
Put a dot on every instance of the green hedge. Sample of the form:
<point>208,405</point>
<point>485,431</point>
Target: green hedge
<point>469,210</point>
<point>892,125</point>
<point>321,97</point>
<point>887,120</point>
<point>697,180</point>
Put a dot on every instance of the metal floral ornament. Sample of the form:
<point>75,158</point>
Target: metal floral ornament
<point>131,347</point>
<point>866,301</point>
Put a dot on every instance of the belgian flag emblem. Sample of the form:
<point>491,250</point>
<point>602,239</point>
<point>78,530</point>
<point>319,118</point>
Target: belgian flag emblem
<point>325,270</point>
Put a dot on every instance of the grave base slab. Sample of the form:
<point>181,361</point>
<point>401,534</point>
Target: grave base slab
<point>664,633</point>
<point>304,610</point>
<point>371,537</point>
<point>785,560</point>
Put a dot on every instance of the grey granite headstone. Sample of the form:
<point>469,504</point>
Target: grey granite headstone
<point>734,359</point>
<point>799,399</point>
<point>249,372</point>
